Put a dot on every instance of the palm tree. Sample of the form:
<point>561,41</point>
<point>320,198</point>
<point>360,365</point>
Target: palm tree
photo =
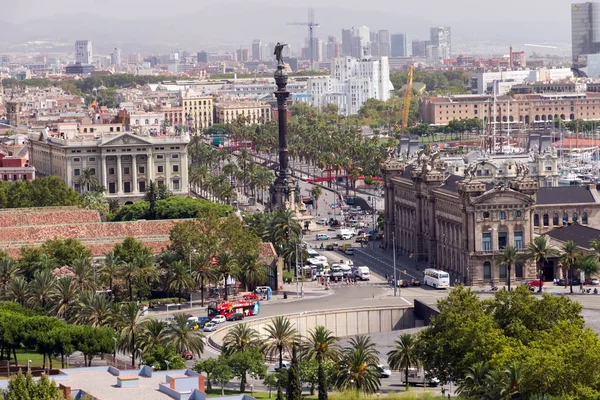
<point>228,266</point>
<point>474,385</point>
<point>93,309</point>
<point>539,251</point>
<point>88,179</point>
<point>316,192</point>
<point>179,278</point>
<point>65,294</point>
<point>254,272</point>
<point>508,258</point>
<point>365,344</point>
<point>129,316</point>
<point>111,269</point>
<point>203,273</point>
<point>404,355</point>
<point>113,205</point>
<point>513,378</point>
<point>17,290</point>
<point>239,339</point>
<point>84,272</point>
<point>9,270</point>
<point>588,264</point>
<point>41,288</point>
<point>320,345</point>
<point>568,259</point>
<point>182,337</point>
<point>281,336</point>
<point>358,371</point>
<point>152,335</point>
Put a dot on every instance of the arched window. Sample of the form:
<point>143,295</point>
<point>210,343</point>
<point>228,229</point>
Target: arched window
<point>147,122</point>
<point>156,121</point>
<point>575,217</point>
<point>545,219</point>
<point>584,219</point>
<point>565,218</point>
<point>487,270</point>
<point>536,220</point>
<point>537,117</point>
<point>137,121</point>
<point>555,219</point>
<point>572,117</point>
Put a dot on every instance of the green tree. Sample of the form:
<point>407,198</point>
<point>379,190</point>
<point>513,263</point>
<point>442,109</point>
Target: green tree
<point>270,382</point>
<point>222,374</point>
<point>153,335</point>
<point>207,366</point>
<point>569,253</point>
<point>247,362</point>
<point>162,358</point>
<point>179,278</point>
<point>88,179</point>
<point>403,356</point>
<point>182,337</point>
<point>281,336</point>
<point>21,387</point>
<point>65,251</point>
<point>130,320</point>
<point>358,369</point>
<point>507,258</point>
<point>320,345</point>
<point>228,266</point>
<point>9,270</point>
<point>294,387</point>
<point>539,251</point>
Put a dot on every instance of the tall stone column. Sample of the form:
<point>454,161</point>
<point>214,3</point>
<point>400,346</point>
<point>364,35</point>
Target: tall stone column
<point>119,176</point>
<point>104,177</point>
<point>150,167</point>
<point>134,173</point>
<point>184,172</point>
<point>168,171</point>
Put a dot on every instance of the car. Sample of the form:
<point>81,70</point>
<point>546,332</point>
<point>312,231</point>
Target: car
<point>202,321</point>
<point>384,371</point>
<point>219,319</point>
<point>187,355</point>
<point>323,236</point>
<point>284,365</point>
<point>349,251</point>
<point>415,282</point>
<point>532,283</point>
<point>595,282</point>
<point>235,317</point>
<point>322,221</point>
<point>346,236</point>
<point>332,246</point>
<point>210,327</point>
<point>401,283</point>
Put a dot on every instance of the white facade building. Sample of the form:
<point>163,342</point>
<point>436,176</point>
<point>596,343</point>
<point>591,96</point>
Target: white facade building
<point>351,84</point>
<point>83,52</point>
<point>483,82</point>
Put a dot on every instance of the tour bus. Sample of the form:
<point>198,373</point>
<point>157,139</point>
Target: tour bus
<point>436,278</point>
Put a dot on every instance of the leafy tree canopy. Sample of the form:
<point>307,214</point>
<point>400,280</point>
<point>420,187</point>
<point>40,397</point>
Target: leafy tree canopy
<point>41,192</point>
<point>174,207</point>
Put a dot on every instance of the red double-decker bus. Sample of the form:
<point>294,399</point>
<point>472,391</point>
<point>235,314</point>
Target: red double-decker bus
<point>226,308</point>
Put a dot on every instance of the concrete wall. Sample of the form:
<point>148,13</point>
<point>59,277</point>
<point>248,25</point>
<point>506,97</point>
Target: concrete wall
<point>342,322</point>
<point>425,312</point>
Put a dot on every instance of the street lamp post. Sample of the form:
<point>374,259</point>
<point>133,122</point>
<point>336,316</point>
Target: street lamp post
<point>193,251</point>
<point>115,350</point>
<point>28,366</point>
<point>167,362</point>
<point>297,293</point>
<point>394,255</point>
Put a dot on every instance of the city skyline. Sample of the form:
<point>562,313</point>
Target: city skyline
<point>269,22</point>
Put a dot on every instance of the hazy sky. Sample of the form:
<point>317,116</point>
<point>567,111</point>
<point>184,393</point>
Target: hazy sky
<point>505,21</point>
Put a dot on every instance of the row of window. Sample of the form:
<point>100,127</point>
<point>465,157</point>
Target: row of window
<point>15,177</point>
<point>486,240</point>
<point>555,219</point>
<point>502,271</point>
<point>126,170</point>
<point>502,214</point>
<point>127,186</point>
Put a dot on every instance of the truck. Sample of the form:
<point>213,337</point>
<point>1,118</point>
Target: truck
<point>363,273</point>
<point>417,377</point>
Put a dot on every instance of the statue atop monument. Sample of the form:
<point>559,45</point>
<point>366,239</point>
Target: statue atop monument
<point>279,53</point>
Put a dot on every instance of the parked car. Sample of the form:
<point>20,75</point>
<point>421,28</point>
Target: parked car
<point>219,319</point>
<point>415,282</point>
<point>187,355</point>
<point>210,327</point>
<point>235,317</point>
<point>401,283</point>
<point>532,283</point>
<point>595,282</point>
<point>322,221</point>
<point>384,371</point>
<point>346,236</point>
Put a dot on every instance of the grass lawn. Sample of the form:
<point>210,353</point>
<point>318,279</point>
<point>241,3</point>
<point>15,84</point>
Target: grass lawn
<point>216,392</point>
<point>22,356</point>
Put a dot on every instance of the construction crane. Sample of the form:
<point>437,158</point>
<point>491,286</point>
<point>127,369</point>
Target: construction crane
<point>311,34</point>
<point>407,97</point>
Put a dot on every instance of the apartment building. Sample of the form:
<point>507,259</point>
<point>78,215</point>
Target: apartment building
<point>254,112</point>
<point>198,108</point>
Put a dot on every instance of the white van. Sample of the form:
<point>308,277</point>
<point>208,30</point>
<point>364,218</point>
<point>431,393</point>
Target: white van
<point>363,273</point>
<point>345,234</point>
<point>417,377</point>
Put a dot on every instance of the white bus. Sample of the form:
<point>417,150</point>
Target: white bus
<point>436,278</point>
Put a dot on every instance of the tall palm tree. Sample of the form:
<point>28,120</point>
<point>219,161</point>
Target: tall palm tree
<point>539,251</point>
<point>183,338</point>
<point>111,269</point>
<point>320,345</point>
<point>17,290</point>
<point>240,338</point>
<point>130,317</point>
<point>88,179</point>
<point>84,273</point>
<point>281,336</point>
<point>254,272</point>
<point>152,335</point>
<point>65,294</point>
<point>179,278</point>
<point>9,270</point>
<point>404,355</point>
<point>316,192</point>
<point>568,259</point>
<point>93,309</point>
<point>228,266</point>
<point>358,371</point>
<point>41,288</point>
<point>508,258</point>
<point>365,344</point>
<point>203,273</point>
